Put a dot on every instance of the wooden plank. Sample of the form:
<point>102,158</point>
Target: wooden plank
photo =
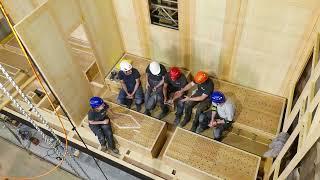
<point>46,57</point>
<point>102,29</point>
<point>205,158</point>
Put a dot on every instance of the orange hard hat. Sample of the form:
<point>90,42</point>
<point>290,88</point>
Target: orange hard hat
<point>200,77</point>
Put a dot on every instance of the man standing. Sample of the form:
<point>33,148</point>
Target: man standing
<point>220,116</point>
<point>174,81</point>
<point>202,96</point>
<point>131,86</point>
<point>100,124</point>
<point>155,73</point>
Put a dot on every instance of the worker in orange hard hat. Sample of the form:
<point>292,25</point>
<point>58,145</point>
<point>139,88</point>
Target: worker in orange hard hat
<point>174,81</point>
<point>201,97</point>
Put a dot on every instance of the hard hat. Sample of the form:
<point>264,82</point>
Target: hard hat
<point>125,66</point>
<point>200,77</point>
<point>154,68</point>
<point>218,97</point>
<point>174,73</point>
<point>96,102</point>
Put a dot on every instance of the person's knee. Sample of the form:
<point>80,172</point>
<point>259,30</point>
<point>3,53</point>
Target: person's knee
<point>121,101</point>
<point>202,117</point>
<point>139,101</point>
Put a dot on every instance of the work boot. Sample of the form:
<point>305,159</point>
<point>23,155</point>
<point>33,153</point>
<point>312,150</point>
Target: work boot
<point>199,129</point>
<point>104,148</point>
<point>138,107</point>
<point>162,114</point>
<point>183,123</point>
<point>193,129</point>
<point>176,121</point>
<point>147,112</point>
<point>114,152</point>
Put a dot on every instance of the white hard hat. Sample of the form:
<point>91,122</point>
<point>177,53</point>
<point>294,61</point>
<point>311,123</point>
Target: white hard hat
<point>125,66</point>
<point>154,68</point>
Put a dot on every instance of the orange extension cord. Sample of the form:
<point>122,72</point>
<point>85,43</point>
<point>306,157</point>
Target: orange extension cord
<point>56,113</point>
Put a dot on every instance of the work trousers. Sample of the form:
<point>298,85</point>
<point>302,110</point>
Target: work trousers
<point>138,97</point>
<point>103,132</point>
<point>154,97</point>
<point>203,105</point>
<point>204,120</point>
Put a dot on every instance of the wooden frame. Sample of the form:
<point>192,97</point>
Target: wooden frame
<point>221,155</point>
<point>307,128</point>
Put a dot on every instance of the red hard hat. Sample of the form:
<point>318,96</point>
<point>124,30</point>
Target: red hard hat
<point>200,77</point>
<point>174,73</point>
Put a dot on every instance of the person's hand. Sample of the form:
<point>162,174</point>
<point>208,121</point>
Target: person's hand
<point>186,98</point>
<point>178,93</point>
<point>130,96</point>
<point>165,100</point>
<point>212,123</point>
<point>106,121</point>
<point>154,89</point>
<point>170,101</point>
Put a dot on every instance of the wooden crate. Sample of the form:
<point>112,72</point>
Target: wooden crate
<point>133,130</point>
<point>204,158</point>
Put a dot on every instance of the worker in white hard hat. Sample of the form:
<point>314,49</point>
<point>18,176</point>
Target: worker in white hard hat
<point>131,87</point>
<point>155,74</point>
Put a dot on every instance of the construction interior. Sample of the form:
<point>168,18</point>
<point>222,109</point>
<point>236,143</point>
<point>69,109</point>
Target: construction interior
<point>261,53</point>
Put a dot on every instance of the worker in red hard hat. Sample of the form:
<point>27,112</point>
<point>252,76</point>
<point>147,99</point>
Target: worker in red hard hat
<point>174,81</point>
<point>201,97</point>
<point>155,73</point>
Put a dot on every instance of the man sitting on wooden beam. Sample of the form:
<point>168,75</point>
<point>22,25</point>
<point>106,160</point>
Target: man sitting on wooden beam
<point>201,97</point>
<point>131,87</point>
<point>174,81</point>
<point>220,116</point>
<point>100,124</point>
<point>155,73</point>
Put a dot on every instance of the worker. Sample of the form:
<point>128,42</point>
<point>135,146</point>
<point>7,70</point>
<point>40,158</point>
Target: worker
<point>100,124</point>
<point>201,97</point>
<point>155,73</point>
<point>174,81</point>
<point>131,87</point>
<point>220,116</point>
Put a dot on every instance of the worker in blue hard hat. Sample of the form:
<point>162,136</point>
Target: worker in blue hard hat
<point>100,124</point>
<point>131,87</point>
<point>220,116</point>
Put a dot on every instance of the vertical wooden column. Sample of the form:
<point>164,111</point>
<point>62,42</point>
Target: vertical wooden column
<point>103,33</point>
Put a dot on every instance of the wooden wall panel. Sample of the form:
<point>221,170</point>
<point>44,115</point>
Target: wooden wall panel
<point>268,43</point>
<point>103,33</point>
<point>67,13</point>
<point>248,42</point>
<point>51,53</point>
<point>129,26</point>
<point>164,45</point>
<point>18,9</point>
<point>207,35</point>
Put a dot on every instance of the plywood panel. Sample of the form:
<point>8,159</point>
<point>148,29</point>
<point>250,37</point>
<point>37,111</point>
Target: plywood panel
<point>18,9</point>
<point>207,35</point>
<point>164,45</point>
<point>103,33</point>
<point>211,159</point>
<point>51,53</point>
<point>128,24</point>
<point>67,13</point>
<point>268,46</point>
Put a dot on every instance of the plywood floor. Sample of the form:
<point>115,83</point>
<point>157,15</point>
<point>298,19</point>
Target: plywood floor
<point>212,157</point>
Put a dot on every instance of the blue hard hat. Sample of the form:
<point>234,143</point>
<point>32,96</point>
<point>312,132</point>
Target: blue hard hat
<point>217,97</point>
<point>96,102</point>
